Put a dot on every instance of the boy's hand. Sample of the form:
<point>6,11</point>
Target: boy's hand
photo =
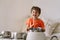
<point>31,25</point>
<point>43,30</point>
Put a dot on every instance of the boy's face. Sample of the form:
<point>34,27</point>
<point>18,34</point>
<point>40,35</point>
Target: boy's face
<point>35,13</point>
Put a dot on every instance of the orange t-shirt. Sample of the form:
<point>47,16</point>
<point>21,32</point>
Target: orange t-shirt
<point>37,23</point>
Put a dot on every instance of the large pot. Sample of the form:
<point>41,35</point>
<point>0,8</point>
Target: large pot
<point>36,36</point>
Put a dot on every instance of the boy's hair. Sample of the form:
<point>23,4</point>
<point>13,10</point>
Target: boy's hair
<point>37,9</point>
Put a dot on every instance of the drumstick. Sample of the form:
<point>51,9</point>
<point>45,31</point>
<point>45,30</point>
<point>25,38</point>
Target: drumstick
<point>33,22</point>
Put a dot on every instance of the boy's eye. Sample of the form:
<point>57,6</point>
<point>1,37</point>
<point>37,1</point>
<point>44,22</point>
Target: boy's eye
<point>33,12</point>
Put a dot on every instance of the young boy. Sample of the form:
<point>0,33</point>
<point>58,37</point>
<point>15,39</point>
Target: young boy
<point>34,21</point>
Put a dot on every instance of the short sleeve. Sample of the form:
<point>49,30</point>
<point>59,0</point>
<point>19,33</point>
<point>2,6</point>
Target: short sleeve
<point>42,24</point>
<point>28,22</point>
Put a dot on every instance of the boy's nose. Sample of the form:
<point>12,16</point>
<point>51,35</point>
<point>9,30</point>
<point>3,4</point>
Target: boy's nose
<point>34,14</point>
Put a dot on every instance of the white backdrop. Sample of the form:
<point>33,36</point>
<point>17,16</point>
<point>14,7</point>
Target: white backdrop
<point>13,13</point>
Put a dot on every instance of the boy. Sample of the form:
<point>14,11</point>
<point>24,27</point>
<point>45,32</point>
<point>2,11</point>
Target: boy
<point>34,21</point>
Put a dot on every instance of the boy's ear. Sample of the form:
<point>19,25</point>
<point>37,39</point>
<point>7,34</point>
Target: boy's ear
<point>39,15</point>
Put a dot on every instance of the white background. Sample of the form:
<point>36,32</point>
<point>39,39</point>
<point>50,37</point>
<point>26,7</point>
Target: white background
<point>13,13</point>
